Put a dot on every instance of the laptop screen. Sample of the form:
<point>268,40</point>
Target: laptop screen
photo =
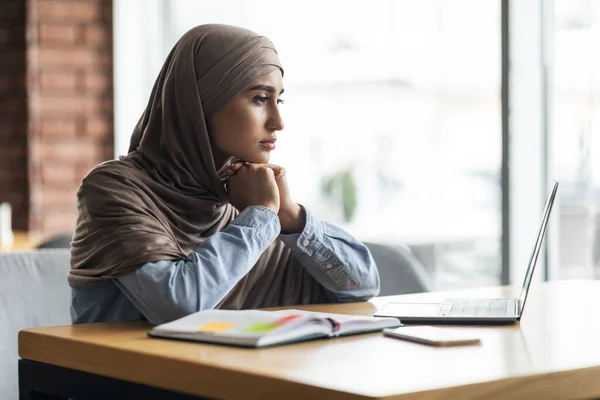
<point>537,247</point>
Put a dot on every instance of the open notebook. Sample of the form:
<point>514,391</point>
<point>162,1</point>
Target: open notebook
<point>256,328</point>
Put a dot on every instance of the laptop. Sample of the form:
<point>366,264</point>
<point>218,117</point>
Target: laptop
<point>461,311</point>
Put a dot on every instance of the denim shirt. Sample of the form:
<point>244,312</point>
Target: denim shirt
<point>165,290</point>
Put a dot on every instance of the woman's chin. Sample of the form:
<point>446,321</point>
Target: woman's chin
<point>260,158</point>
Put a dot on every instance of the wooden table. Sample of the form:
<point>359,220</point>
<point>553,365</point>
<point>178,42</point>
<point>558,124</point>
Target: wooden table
<point>553,353</point>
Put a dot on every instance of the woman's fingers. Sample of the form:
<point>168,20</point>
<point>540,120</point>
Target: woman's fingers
<point>236,166</point>
<point>233,168</point>
<point>276,168</point>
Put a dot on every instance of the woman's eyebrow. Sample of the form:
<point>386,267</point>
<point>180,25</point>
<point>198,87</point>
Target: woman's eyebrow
<point>266,88</point>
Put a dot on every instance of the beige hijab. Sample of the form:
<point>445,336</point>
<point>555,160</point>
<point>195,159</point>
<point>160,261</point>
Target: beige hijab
<point>162,200</point>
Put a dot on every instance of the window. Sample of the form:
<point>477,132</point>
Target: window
<point>575,125</point>
<point>393,118</point>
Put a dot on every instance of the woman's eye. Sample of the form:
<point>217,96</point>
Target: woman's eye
<point>262,99</point>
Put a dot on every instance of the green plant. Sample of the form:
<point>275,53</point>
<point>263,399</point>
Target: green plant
<point>341,188</point>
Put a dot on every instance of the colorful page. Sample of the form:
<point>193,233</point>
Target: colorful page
<point>347,324</point>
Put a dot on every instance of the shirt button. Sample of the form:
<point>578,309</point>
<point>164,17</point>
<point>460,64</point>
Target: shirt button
<point>329,266</point>
<point>305,243</point>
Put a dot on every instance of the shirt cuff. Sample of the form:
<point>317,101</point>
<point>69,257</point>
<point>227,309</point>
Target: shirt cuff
<point>263,219</point>
<point>309,240</point>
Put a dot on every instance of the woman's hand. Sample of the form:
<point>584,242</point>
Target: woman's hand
<point>291,216</point>
<point>253,185</point>
<point>230,171</point>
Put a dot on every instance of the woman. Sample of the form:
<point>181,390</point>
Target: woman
<point>194,217</point>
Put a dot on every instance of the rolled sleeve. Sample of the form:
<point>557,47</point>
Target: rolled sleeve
<point>341,263</point>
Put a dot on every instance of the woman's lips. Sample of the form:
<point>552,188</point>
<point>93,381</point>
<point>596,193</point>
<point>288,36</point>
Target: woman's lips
<point>268,144</point>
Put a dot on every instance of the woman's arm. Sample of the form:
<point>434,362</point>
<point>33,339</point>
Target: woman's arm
<point>170,289</point>
<point>338,261</point>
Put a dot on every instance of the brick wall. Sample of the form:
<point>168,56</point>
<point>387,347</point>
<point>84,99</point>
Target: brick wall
<point>13,111</point>
<point>69,100</point>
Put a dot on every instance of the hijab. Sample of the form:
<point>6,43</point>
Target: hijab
<point>165,197</point>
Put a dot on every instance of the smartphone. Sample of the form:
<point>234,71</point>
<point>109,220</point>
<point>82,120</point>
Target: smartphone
<point>433,336</point>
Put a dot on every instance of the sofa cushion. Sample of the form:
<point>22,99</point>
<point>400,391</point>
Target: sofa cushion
<point>33,292</point>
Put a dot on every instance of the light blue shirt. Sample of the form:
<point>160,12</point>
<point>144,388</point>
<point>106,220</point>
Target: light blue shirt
<point>162,291</point>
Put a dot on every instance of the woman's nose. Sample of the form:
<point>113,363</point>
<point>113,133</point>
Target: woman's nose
<point>275,119</point>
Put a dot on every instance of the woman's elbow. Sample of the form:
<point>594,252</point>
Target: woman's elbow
<point>371,283</point>
<point>371,288</point>
<point>375,286</point>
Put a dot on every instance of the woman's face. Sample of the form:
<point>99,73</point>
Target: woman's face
<point>246,127</point>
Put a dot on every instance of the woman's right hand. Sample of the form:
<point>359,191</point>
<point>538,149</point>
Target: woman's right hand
<point>253,185</point>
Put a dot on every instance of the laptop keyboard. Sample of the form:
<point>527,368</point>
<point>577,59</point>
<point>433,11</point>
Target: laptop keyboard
<point>476,308</point>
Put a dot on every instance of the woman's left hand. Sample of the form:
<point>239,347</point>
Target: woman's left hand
<point>291,216</point>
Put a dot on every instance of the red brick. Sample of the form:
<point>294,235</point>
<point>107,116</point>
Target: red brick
<point>65,10</point>
<point>60,220</point>
<point>61,128</point>
<point>69,58</point>
<point>70,105</point>
<point>57,33</point>
<point>57,175</point>
<point>94,35</point>
<point>106,60</point>
<point>86,165</point>
<point>97,128</point>
<point>57,81</point>
<point>70,152</point>
<point>59,197</point>
<point>95,81</point>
